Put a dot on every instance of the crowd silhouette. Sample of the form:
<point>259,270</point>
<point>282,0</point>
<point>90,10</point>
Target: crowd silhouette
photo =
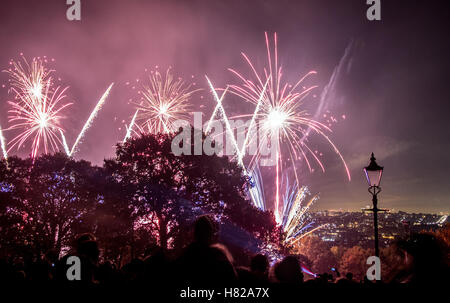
<point>207,263</point>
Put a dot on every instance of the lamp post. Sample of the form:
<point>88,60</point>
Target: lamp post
<point>373,175</point>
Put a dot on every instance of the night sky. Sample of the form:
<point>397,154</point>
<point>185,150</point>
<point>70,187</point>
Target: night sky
<point>392,85</point>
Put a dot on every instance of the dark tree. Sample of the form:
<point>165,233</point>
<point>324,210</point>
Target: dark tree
<point>12,183</point>
<point>114,221</point>
<point>146,195</point>
<point>52,197</point>
<point>165,190</point>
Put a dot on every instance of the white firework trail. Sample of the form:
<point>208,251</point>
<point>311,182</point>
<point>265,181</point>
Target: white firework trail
<point>91,118</point>
<point>130,127</point>
<point>216,109</point>
<point>253,120</point>
<point>240,153</point>
<point>256,188</point>
<point>64,142</point>
<point>3,144</point>
<point>307,233</point>
<point>227,124</point>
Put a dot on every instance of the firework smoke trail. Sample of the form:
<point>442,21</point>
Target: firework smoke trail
<point>91,118</point>
<point>164,101</point>
<point>281,115</point>
<point>329,91</point>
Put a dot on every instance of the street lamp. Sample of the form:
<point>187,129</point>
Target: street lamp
<point>373,175</point>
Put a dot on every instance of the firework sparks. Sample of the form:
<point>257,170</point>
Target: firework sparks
<point>3,144</point>
<point>256,188</point>
<point>130,127</point>
<point>218,105</point>
<point>293,220</point>
<point>227,122</point>
<point>37,106</point>
<point>219,109</point>
<point>66,147</point>
<point>39,119</point>
<point>164,101</point>
<point>296,222</point>
<point>30,79</point>
<point>90,119</point>
<point>281,115</point>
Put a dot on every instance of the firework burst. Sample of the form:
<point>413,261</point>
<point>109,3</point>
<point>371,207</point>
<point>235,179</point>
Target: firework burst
<point>37,106</point>
<point>281,115</point>
<point>164,100</point>
<point>30,79</point>
<point>296,221</point>
<point>39,120</point>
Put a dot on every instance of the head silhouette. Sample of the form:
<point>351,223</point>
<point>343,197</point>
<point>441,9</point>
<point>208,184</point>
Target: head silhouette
<point>349,276</point>
<point>259,263</point>
<point>289,270</point>
<point>204,230</point>
<point>424,256</point>
<point>86,246</point>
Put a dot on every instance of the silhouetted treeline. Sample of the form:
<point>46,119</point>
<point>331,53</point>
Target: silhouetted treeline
<point>139,218</point>
<point>142,197</point>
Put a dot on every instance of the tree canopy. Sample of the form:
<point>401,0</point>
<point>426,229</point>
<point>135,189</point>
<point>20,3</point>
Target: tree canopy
<point>143,196</point>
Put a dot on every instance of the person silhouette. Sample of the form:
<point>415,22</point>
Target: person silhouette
<point>289,271</point>
<point>203,263</point>
<point>424,260</point>
<point>259,266</point>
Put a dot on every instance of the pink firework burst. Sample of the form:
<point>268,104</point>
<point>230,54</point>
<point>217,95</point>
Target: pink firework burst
<point>37,107</point>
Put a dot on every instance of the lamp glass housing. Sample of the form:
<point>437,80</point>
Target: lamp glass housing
<point>373,177</point>
<point>373,172</point>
